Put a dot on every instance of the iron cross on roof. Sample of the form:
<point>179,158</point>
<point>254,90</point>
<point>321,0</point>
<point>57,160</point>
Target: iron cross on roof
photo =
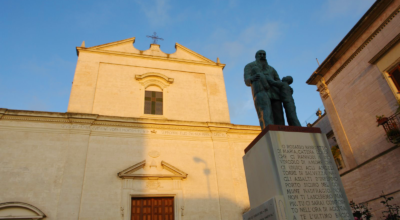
<point>155,38</point>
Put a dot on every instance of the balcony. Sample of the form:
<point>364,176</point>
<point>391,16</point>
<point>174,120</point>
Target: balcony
<point>391,125</point>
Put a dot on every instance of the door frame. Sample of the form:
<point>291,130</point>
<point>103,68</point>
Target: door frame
<point>178,202</point>
<point>152,197</point>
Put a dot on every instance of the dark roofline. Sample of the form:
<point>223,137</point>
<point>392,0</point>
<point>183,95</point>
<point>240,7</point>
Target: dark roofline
<point>359,28</point>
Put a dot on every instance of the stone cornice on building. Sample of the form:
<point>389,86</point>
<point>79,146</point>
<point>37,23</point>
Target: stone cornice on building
<point>141,53</point>
<point>348,41</point>
<point>129,40</point>
<point>88,121</point>
<point>154,57</point>
<point>384,50</point>
<point>197,55</point>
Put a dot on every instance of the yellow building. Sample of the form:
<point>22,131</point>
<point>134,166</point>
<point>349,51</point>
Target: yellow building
<point>146,133</point>
<point>358,81</point>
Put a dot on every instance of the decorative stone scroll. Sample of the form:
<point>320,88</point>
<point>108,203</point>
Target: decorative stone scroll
<point>323,89</point>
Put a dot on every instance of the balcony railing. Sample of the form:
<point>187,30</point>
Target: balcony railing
<point>391,125</point>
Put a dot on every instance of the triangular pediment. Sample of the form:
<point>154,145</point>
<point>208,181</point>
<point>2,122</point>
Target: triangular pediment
<point>126,46</point>
<point>187,54</point>
<point>141,171</point>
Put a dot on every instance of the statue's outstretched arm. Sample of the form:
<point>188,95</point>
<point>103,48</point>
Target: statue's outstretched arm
<point>276,76</point>
<point>276,83</point>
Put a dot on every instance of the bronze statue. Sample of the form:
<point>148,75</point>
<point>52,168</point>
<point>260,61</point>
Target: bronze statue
<point>286,95</point>
<point>269,92</point>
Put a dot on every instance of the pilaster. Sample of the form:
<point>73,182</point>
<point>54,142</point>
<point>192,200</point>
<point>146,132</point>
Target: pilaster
<point>336,124</point>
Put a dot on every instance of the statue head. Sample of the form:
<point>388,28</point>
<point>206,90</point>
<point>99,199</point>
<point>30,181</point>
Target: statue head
<point>287,79</point>
<point>261,55</point>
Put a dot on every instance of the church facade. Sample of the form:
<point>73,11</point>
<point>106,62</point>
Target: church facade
<point>146,134</point>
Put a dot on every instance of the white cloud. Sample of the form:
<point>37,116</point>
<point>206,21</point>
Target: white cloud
<point>244,43</point>
<point>237,49</point>
<point>156,11</point>
<point>260,36</point>
<point>234,48</point>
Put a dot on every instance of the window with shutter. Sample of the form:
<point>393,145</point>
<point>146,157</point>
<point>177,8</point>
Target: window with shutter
<point>153,103</point>
<point>395,76</point>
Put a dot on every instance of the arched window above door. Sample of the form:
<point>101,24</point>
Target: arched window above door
<point>154,85</point>
<point>153,101</point>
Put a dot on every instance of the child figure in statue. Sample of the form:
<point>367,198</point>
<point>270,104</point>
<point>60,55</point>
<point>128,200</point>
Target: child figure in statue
<point>286,95</point>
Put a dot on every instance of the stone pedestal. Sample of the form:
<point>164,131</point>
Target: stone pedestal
<point>294,163</point>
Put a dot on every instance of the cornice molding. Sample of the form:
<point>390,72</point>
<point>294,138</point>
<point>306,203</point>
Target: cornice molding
<point>81,49</point>
<point>132,40</point>
<point>41,130</point>
<point>366,42</point>
<point>195,54</point>
<point>384,50</point>
<point>96,122</point>
<point>174,170</point>
<point>153,47</point>
<point>362,25</point>
<point>2,111</point>
<point>41,119</point>
<point>132,168</point>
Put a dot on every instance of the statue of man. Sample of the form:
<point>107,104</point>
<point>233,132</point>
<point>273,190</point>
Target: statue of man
<point>266,98</point>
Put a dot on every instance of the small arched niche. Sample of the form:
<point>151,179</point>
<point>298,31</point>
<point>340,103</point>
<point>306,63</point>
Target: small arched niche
<point>20,210</point>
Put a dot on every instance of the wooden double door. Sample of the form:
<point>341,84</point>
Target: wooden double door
<point>152,208</point>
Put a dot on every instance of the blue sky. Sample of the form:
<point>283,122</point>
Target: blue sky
<point>38,40</point>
